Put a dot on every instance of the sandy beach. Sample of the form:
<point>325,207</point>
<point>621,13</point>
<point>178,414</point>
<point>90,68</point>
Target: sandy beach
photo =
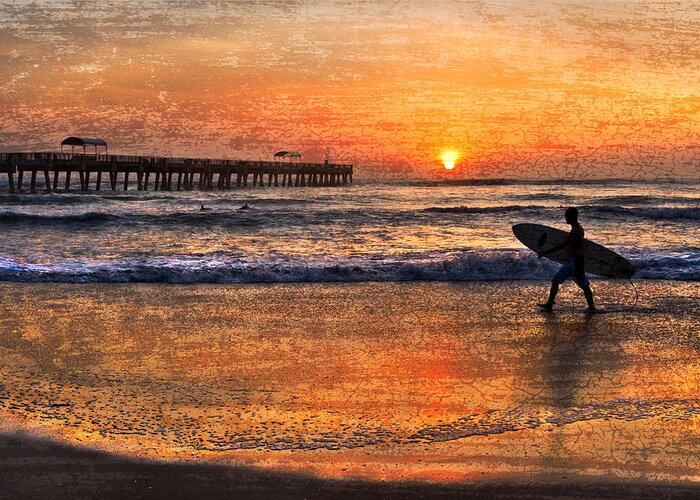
<point>349,389</point>
<point>272,249</point>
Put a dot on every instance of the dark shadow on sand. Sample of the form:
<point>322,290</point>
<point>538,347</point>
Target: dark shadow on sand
<point>32,467</point>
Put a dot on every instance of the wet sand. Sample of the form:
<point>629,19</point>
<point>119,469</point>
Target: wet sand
<point>32,468</point>
<point>454,385</point>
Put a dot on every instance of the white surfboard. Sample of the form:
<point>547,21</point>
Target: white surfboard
<point>599,260</point>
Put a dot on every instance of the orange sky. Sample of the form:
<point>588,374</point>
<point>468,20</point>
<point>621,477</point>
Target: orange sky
<point>518,87</point>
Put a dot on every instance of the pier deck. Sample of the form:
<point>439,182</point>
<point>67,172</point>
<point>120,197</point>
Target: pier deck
<point>161,173</point>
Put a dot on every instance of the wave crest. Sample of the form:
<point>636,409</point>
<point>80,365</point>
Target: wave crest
<point>483,210</point>
<point>471,265</point>
<point>660,213</point>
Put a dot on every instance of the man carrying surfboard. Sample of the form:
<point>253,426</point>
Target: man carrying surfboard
<point>575,265</point>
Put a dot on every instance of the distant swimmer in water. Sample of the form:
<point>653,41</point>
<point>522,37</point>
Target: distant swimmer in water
<point>575,266</point>
<point>204,208</point>
<point>244,207</point>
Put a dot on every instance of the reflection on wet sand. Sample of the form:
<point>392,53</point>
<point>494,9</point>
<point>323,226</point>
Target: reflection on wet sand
<point>387,381</point>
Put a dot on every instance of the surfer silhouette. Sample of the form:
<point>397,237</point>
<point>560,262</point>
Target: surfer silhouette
<point>574,267</point>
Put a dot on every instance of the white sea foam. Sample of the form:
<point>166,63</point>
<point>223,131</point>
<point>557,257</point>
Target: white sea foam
<point>472,265</point>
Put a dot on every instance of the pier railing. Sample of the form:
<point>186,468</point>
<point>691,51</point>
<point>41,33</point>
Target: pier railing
<point>168,172</point>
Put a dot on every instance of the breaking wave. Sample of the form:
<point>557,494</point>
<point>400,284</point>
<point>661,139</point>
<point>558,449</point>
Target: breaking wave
<point>88,217</point>
<point>661,213</point>
<point>639,199</point>
<point>483,210</point>
<point>220,267</point>
<point>225,211</point>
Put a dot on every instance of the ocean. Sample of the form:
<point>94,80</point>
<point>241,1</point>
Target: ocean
<point>368,231</point>
<point>431,369</point>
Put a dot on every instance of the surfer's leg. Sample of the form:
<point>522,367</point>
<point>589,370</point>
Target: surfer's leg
<point>589,298</point>
<point>552,295</point>
<point>562,275</point>
<point>587,292</point>
<point>582,281</point>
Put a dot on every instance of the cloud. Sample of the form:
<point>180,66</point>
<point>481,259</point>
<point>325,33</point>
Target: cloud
<point>381,83</point>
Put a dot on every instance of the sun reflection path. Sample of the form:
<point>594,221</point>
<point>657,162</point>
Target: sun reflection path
<point>348,377</point>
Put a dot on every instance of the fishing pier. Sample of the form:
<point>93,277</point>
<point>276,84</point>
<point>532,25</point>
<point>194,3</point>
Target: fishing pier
<point>56,171</point>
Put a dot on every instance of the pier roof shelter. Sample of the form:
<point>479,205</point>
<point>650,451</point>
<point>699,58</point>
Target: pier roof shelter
<point>290,155</point>
<point>84,142</point>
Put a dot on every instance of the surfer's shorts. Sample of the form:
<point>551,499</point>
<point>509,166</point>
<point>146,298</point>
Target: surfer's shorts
<point>568,270</point>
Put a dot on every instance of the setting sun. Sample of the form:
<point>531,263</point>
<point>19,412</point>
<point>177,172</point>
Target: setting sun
<point>449,159</point>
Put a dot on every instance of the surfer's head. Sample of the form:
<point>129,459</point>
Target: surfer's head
<point>571,215</point>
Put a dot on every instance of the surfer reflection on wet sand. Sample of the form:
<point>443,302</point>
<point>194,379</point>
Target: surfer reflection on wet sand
<point>575,266</point>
